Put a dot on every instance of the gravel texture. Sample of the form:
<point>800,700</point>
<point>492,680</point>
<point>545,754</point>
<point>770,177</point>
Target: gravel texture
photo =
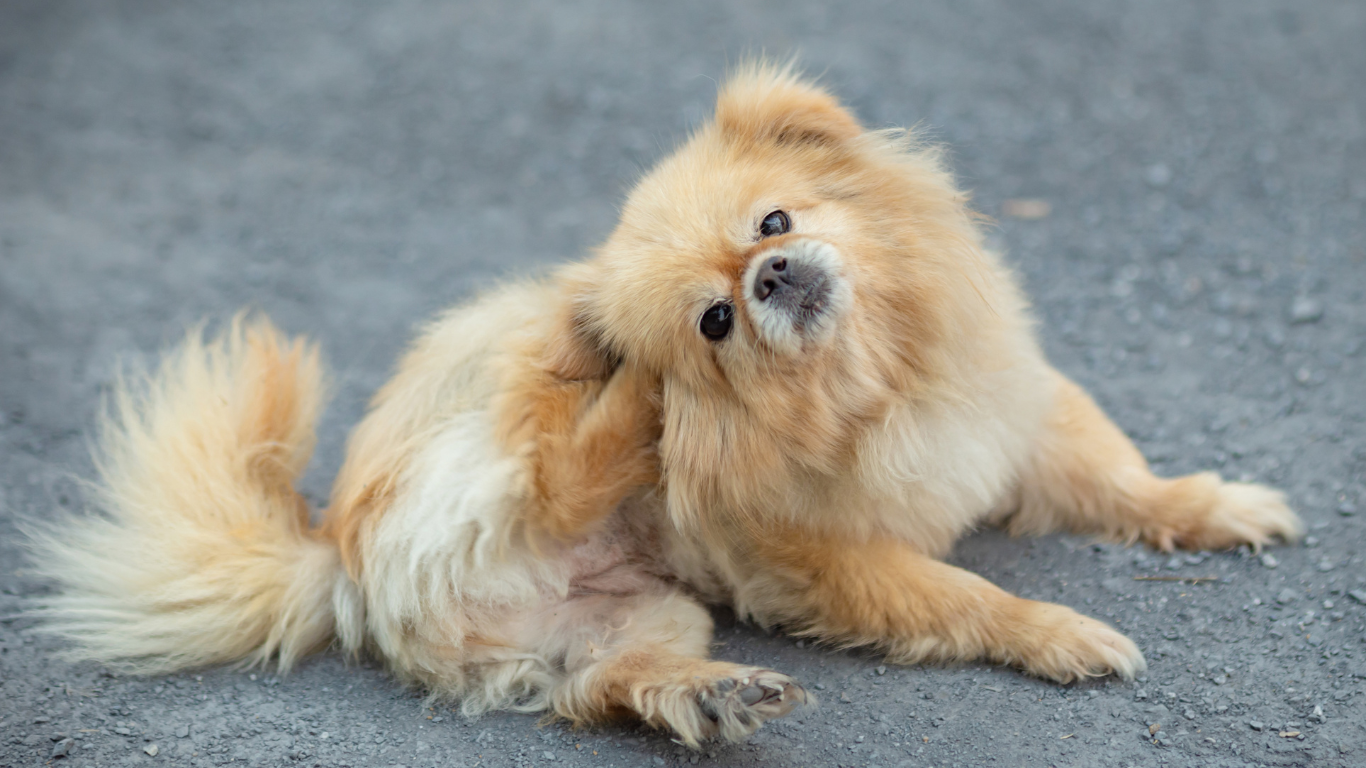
<point>1180,185</point>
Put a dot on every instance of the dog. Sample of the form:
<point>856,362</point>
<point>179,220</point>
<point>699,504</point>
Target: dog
<point>788,381</point>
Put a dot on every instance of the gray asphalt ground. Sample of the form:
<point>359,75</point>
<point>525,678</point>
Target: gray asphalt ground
<point>353,167</point>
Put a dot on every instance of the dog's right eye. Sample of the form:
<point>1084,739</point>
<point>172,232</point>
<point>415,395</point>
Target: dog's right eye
<point>716,321</point>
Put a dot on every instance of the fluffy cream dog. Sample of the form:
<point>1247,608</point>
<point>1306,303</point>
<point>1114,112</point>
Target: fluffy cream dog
<point>789,381</point>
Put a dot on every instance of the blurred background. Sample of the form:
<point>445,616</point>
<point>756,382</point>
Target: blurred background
<point>1180,186</point>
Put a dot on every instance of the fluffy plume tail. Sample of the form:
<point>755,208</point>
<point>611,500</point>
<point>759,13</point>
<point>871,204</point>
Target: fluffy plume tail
<point>201,553</point>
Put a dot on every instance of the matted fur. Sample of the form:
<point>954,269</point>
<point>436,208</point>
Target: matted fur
<point>559,471</point>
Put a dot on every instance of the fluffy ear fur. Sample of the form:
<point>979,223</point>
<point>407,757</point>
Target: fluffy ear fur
<point>575,350</point>
<point>762,101</point>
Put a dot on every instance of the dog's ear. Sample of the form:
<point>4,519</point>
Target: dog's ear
<point>575,349</point>
<point>762,101</point>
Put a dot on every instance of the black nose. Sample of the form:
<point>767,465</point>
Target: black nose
<point>773,275</point>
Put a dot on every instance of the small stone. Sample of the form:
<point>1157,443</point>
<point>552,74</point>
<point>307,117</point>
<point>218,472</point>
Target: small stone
<point>844,697</point>
<point>1189,714</point>
<point>1027,208</point>
<point>657,760</point>
<point>1305,310</point>
<point>1269,560</point>
<point>1317,715</point>
<point>1311,541</point>
<point>1304,375</point>
<point>1158,175</point>
<point>183,731</point>
<point>151,750</point>
<point>1220,679</point>
<point>881,670</point>
<point>63,748</point>
<point>1347,509</point>
<point>1153,728</point>
<point>548,755</point>
<point>1358,595</point>
<point>1256,725</point>
<point>42,719</point>
<point>1287,595</point>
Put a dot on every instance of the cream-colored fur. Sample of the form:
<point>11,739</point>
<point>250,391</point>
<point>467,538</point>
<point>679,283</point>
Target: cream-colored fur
<point>558,471</point>
<point>201,554</point>
<point>846,429</point>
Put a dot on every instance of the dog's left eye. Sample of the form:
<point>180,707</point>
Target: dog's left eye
<point>716,321</point>
<point>776,223</point>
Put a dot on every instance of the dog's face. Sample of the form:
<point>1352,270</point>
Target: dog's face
<point>789,275</point>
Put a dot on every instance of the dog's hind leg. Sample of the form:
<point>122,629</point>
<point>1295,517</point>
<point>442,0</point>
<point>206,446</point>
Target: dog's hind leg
<point>1086,476</point>
<point>645,655</point>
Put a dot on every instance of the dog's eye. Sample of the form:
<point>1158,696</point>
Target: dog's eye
<point>776,223</point>
<point>716,321</point>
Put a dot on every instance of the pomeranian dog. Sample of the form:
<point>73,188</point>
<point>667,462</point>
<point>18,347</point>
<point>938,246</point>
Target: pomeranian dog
<point>790,379</point>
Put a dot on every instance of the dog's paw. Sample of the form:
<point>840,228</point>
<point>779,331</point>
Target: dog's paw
<point>1239,513</point>
<point>739,705</point>
<point>1248,514</point>
<point>732,704</point>
<point>1060,644</point>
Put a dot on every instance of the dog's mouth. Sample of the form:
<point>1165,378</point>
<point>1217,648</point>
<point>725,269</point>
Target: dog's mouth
<point>808,303</point>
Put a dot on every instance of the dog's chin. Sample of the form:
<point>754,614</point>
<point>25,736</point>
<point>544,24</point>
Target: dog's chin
<point>805,318</point>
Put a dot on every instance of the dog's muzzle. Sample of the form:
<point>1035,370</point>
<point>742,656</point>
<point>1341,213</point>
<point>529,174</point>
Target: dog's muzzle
<point>797,292</point>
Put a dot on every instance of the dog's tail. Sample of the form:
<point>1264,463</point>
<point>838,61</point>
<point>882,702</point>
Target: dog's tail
<point>200,552</point>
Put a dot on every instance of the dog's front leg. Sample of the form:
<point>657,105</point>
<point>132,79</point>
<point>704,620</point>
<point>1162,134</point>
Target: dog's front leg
<point>883,593</point>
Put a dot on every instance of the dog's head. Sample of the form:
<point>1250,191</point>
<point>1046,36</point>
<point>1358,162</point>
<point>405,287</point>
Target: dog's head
<point>791,276</point>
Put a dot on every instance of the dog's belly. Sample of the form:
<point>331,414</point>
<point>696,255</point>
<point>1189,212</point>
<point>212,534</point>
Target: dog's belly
<point>623,557</point>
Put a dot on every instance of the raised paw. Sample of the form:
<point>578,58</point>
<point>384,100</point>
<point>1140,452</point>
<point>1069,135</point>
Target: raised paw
<point>1059,644</point>
<point>730,702</point>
